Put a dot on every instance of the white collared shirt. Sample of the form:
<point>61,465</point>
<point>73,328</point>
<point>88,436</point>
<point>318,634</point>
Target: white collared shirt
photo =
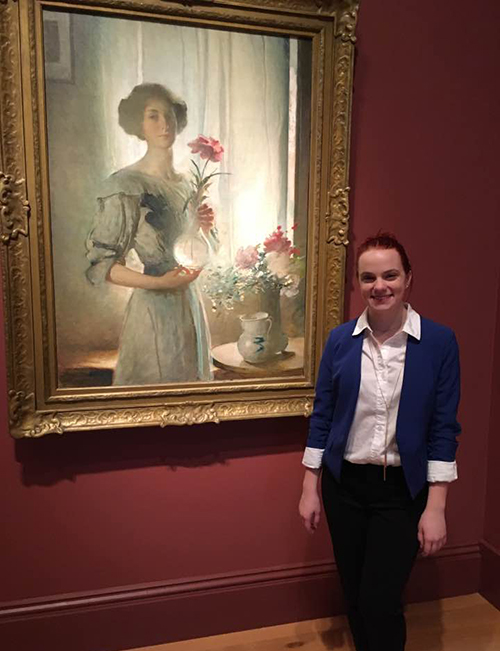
<point>373,429</point>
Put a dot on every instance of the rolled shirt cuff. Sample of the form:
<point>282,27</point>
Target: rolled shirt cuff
<point>313,457</point>
<point>445,471</point>
<point>442,471</point>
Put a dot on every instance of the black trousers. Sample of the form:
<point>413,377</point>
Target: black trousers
<point>373,524</point>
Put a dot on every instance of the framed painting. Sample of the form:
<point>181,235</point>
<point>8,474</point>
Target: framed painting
<point>174,220</point>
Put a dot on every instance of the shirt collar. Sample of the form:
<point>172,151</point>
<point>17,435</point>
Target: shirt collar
<point>411,325</point>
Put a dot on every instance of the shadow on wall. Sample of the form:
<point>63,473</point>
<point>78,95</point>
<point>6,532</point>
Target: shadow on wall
<point>55,458</point>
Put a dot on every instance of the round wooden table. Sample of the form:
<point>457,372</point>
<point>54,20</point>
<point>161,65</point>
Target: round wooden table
<point>290,362</point>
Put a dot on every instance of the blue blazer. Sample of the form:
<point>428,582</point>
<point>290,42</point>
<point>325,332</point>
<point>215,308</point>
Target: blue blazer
<point>426,427</point>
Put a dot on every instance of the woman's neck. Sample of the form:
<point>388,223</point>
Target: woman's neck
<point>158,162</point>
<point>385,325</point>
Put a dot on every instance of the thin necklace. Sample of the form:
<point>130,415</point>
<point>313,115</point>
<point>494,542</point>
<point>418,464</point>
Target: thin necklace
<point>387,405</point>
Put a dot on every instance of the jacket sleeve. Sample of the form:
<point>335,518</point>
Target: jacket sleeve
<point>324,401</point>
<point>444,428</point>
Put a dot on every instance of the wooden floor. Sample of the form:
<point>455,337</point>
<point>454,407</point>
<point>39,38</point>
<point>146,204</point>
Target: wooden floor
<point>467,623</point>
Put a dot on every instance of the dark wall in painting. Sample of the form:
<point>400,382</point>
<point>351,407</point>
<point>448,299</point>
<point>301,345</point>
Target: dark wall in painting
<point>78,160</point>
<point>91,512</point>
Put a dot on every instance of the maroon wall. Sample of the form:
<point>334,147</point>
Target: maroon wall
<point>191,531</point>
<point>492,512</point>
<point>490,575</point>
<point>425,164</point>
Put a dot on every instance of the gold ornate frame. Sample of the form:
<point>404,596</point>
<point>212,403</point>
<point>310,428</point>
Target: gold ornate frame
<point>35,406</point>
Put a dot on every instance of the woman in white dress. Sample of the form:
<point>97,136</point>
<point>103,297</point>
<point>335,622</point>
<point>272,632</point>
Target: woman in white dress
<point>145,207</point>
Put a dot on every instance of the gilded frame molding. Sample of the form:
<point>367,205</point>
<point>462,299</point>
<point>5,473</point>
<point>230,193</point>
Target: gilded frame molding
<point>34,408</point>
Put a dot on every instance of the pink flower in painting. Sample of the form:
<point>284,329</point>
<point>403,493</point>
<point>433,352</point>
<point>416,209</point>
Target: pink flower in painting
<point>247,257</point>
<point>209,148</point>
<point>278,242</point>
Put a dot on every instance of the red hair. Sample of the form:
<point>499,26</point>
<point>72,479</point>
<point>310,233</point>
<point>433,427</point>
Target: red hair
<point>384,240</point>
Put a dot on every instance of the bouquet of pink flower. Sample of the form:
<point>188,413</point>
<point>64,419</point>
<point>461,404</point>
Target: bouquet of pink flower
<point>192,248</point>
<point>276,256</point>
<point>211,151</point>
<point>274,265</point>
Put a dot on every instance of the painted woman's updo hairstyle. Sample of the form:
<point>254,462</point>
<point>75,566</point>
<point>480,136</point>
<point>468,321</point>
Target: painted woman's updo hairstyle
<point>131,108</point>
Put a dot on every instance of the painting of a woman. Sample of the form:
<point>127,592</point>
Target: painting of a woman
<point>145,207</point>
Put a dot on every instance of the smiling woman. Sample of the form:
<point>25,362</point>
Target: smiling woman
<point>383,282</point>
<point>147,207</point>
<point>384,272</point>
<point>384,430</point>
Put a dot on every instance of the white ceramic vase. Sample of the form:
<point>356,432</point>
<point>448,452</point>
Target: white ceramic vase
<point>253,344</point>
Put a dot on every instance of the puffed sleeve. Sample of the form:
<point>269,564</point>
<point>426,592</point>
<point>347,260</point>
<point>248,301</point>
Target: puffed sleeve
<point>112,233</point>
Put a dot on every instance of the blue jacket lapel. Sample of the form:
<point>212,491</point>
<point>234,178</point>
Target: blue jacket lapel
<point>352,370</point>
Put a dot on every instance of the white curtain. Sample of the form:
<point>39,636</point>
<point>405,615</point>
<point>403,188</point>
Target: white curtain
<point>237,88</point>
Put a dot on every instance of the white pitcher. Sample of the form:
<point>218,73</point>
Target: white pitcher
<point>253,343</point>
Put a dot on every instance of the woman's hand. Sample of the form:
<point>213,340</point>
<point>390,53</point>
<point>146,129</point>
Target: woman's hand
<point>177,278</point>
<point>432,525</point>
<point>310,509</point>
<point>432,531</point>
<point>310,504</point>
<point>206,217</point>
